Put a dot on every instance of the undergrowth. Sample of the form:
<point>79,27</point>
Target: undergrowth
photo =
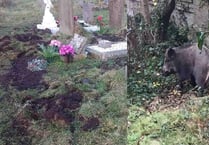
<point>146,80</point>
<point>187,125</point>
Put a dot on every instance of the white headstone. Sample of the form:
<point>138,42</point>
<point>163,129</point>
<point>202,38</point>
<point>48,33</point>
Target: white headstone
<point>48,19</point>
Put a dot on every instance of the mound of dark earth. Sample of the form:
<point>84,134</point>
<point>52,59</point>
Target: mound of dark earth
<point>90,124</point>
<point>4,43</point>
<point>22,78</point>
<point>59,109</point>
<point>27,37</point>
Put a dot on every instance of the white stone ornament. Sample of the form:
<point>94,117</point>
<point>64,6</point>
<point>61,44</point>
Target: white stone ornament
<point>48,21</point>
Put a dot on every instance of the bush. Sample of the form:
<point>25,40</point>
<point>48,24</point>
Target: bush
<point>176,35</point>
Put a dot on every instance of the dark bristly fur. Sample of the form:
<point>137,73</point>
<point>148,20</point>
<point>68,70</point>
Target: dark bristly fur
<point>188,62</point>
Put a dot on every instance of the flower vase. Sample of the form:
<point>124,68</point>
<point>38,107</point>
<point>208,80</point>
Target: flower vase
<point>67,58</point>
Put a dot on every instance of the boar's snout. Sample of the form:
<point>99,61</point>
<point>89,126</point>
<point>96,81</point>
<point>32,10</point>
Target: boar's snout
<point>167,71</point>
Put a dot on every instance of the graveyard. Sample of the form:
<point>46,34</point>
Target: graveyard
<point>47,101</point>
<point>161,113</point>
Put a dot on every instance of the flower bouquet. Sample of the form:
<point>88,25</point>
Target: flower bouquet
<point>55,43</point>
<point>66,52</point>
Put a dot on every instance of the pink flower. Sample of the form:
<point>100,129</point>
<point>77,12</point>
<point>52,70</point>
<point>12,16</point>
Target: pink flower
<point>55,43</point>
<point>66,49</point>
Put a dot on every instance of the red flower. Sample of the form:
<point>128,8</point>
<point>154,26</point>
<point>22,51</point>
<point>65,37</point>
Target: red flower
<point>75,18</point>
<point>99,18</point>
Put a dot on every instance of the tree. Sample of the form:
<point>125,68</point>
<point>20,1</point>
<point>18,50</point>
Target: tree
<point>116,13</point>
<point>145,11</point>
<point>159,17</point>
<point>66,17</point>
<point>164,11</point>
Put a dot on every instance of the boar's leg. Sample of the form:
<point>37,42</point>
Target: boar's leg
<point>180,85</point>
<point>200,92</point>
<point>201,81</point>
<point>193,82</point>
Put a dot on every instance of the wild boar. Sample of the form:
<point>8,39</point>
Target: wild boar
<point>188,62</point>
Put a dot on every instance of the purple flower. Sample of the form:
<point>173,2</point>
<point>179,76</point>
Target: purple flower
<point>55,43</point>
<point>66,49</point>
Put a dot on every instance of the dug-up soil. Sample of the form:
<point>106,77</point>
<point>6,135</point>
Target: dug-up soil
<point>61,109</point>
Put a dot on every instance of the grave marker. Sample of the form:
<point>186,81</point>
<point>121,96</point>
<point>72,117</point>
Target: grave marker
<point>118,49</point>
<point>88,15</point>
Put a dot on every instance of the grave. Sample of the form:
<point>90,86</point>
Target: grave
<point>115,50</point>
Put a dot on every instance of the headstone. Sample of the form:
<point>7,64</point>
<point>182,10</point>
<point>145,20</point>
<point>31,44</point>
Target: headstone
<point>78,42</point>
<point>118,49</point>
<point>48,19</point>
<point>88,15</point>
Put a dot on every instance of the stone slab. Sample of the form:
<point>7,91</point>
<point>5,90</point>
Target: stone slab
<point>78,43</point>
<point>118,49</point>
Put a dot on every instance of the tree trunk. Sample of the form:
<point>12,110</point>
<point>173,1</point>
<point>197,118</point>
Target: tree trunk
<point>116,13</point>
<point>166,11</point>
<point>66,17</point>
<point>145,11</point>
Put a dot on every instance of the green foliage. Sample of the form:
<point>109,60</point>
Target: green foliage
<point>104,30</point>
<point>170,127</point>
<point>145,80</point>
<point>200,39</point>
<point>48,52</point>
<point>176,35</point>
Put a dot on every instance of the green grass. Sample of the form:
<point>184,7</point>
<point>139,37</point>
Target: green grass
<point>108,105</point>
<point>16,17</point>
<point>170,127</point>
<point>104,97</point>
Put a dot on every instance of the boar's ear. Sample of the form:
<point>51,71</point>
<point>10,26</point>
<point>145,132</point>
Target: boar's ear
<point>171,53</point>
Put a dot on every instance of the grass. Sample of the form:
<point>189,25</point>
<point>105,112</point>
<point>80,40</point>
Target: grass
<point>14,16</point>
<point>108,105</point>
<point>186,125</point>
<point>104,94</point>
